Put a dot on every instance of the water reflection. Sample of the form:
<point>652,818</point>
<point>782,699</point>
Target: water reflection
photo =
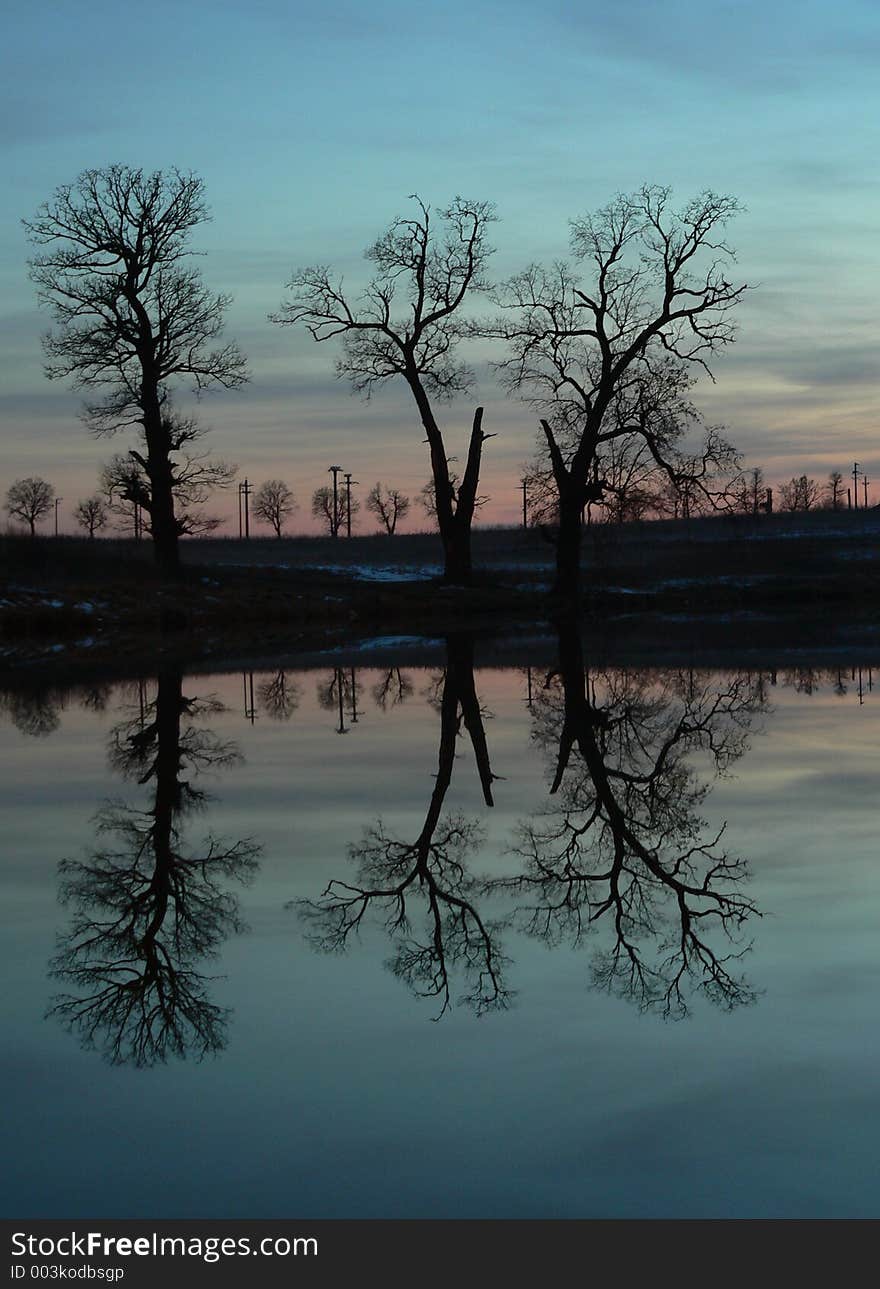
<point>340,692</point>
<point>279,695</point>
<point>623,843</point>
<point>422,890</point>
<point>618,858</point>
<point>36,711</point>
<point>147,909</point>
<point>392,689</point>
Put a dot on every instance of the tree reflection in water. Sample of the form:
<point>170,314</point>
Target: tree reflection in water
<point>623,843</point>
<point>146,909</point>
<point>422,890</point>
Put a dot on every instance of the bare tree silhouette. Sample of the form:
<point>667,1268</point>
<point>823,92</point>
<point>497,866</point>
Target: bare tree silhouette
<point>392,689</point>
<point>625,844</point>
<point>279,695</point>
<point>389,505</point>
<point>146,908</point>
<point>610,359</point>
<point>422,890</point>
<point>435,271</point>
<point>133,319</point>
<point>30,500</point>
<point>274,503</point>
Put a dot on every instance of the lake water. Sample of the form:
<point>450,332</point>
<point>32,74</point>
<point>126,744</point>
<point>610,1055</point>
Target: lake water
<point>269,951</point>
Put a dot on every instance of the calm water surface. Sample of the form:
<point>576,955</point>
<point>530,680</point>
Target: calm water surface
<point>383,942</point>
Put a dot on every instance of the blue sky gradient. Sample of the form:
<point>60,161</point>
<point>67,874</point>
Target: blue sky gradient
<point>311,124</point>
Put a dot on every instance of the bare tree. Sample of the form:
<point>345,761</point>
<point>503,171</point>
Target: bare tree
<point>126,492</point>
<point>422,889</point>
<point>91,514</point>
<point>146,906</point>
<point>434,271</point>
<point>749,492</point>
<point>389,505</point>
<point>800,494</point>
<point>279,696</point>
<point>332,513</point>
<point>30,500</point>
<point>623,842</point>
<point>631,482</point>
<point>133,318</point>
<point>392,689</point>
<point>274,504</point>
<point>834,489</point>
<point>610,359</point>
<point>127,483</point>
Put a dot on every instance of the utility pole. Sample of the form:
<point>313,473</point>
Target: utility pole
<point>348,483</point>
<point>525,485</point>
<point>250,710</point>
<point>856,473</point>
<point>244,491</point>
<point>57,499</point>
<point>340,685</point>
<point>865,486</point>
<point>334,525</point>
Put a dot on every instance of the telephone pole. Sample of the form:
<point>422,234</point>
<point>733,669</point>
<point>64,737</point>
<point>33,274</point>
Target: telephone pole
<point>856,473</point>
<point>244,491</point>
<point>250,709</point>
<point>334,525</point>
<point>525,486</point>
<point>348,483</point>
<point>865,486</point>
<point>57,499</point>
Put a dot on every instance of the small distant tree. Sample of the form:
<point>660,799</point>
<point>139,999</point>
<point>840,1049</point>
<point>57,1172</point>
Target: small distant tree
<point>800,494</point>
<point>331,515</point>
<point>389,505</point>
<point>750,492</point>
<point>91,514</point>
<point>126,491</point>
<point>834,489</point>
<point>29,500</point>
<point>274,504</point>
<point>631,482</point>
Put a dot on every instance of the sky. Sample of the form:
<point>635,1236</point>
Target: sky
<point>311,125</point>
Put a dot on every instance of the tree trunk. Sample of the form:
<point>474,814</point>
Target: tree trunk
<point>467,502</point>
<point>457,551</point>
<point>568,546</point>
<point>456,544</point>
<point>162,520</point>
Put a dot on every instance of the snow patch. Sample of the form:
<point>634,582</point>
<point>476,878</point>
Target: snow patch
<point>371,573</point>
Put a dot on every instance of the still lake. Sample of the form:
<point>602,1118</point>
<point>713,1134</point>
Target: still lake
<point>443,941</point>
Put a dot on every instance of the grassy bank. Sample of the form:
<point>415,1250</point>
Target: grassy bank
<point>103,598</point>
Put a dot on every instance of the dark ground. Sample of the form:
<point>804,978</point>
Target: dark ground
<point>662,590</point>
